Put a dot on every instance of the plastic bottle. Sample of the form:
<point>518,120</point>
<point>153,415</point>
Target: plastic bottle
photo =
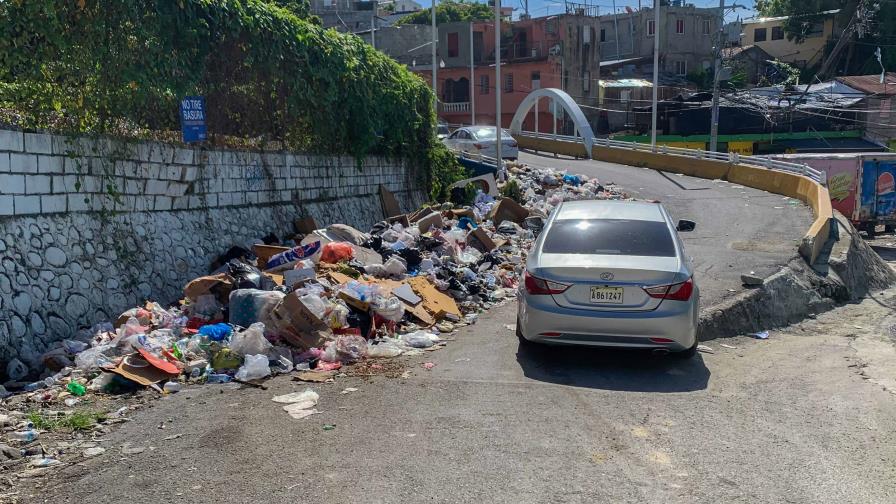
<point>25,436</point>
<point>172,387</point>
<point>218,378</point>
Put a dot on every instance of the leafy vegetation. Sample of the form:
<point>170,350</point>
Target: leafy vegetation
<point>513,191</point>
<point>452,11</point>
<point>268,72</point>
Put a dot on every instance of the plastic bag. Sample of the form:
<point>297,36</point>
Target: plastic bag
<point>16,370</point>
<point>395,267</point>
<point>386,348</point>
<point>251,341</point>
<point>337,315</point>
<point>246,276</point>
<point>390,308</point>
<point>216,332</point>
<point>248,306</point>
<point>315,304</point>
<point>350,348</point>
<point>419,339</point>
<point>335,252</point>
<point>254,368</point>
<point>93,358</point>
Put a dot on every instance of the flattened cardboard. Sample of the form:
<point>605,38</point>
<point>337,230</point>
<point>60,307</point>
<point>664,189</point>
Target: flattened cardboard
<point>298,325</point>
<point>353,301</point>
<point>418,214</point>
<point>294,276</point>
<point>405,293</point>
<point>204,285</point>
<point>439,304</point>
<point>391,208</point>
<point>507,209</point>
<point>400,219</point>
<point>135,368</point>
<point>304,225</point>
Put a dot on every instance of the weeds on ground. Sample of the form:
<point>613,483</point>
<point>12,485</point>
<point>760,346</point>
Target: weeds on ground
<point>79,420</point>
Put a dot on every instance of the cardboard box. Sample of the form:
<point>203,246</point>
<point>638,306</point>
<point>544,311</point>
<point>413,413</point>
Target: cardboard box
<point>220,285</point>
<point>507,209</point>
<point>401,219</point>
<point>298,325</point>
<point>457,213</point>
<point>265,252</point>
<point>480,239</point>
<point>434,219</point>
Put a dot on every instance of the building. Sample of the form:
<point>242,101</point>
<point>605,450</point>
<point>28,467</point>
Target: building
<point>751,60</point>
<point>353,16</point>
<point>687,38</point>
<point>560,51</point>
<point>879,117</point>
<point>768,34</point>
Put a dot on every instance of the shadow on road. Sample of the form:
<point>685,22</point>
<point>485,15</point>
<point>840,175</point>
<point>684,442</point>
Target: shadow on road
<point>612,369</point>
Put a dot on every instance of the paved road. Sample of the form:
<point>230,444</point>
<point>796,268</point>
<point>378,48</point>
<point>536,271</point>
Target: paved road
<point>789,419</point>
<point>739,229</point>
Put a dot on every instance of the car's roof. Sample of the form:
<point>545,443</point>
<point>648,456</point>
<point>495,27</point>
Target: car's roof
<point>610,209</point>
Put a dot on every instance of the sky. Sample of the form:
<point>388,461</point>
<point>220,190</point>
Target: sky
<point>539,8</point>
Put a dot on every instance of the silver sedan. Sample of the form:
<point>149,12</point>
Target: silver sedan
<point>613,274</point>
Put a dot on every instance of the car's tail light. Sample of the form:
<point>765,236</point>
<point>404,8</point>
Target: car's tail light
<point>661,340</point>
<point>535,285</point>
<point>512,144</point>
<point>478,145</point>
<point>550,334</point>
<point>675,292</point>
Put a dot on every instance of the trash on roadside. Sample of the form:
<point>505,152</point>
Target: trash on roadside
<point>705,349</point>
<point>760,335</point>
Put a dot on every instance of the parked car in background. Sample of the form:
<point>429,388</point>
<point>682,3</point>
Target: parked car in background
<point>483,140</point>
<point>612,274</point>
<point>442,131</point>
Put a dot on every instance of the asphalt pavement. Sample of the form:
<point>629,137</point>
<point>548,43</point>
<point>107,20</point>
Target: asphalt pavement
<point>788,419</point>
<point>739,229</point>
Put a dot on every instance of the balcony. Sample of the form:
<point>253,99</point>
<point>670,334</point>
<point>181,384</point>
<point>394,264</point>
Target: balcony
<point>520,52</point>
<point>454,107</point>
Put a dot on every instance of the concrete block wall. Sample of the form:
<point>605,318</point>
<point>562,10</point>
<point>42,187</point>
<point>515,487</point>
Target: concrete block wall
<point>91,227</point>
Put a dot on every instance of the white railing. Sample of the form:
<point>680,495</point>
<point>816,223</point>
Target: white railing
<point>475,157</point>
<point>727,157</point>
<point>456,107</point>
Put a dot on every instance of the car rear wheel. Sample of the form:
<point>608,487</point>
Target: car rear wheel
<point>689,353</point>
<point>519,335</point>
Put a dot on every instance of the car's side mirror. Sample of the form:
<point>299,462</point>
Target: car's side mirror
<point>685,225</point>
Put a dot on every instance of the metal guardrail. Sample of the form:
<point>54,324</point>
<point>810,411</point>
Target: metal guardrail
<point>727,157</point>
<point>475,157</point>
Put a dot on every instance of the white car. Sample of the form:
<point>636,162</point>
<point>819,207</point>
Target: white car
<point>483,140</point>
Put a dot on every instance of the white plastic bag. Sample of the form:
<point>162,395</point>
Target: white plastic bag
<point>251,341</point>
<point>253,368</point>
<point>390,308</point>
<point>419,339</point>
<point>386,348</point>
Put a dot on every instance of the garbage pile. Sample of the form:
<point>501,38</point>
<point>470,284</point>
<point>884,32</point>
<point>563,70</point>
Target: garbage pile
<point>333,297</point>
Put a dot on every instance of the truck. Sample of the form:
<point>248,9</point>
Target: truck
<point>862,185</point>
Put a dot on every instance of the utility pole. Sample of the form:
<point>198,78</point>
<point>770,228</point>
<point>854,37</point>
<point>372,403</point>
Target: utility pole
<point>373,24</point>
<point>714,123</point>
<point>616,29</point>
<point>472,80</point>
<point>498,84</point>
<point>656,70</point>
<point>720,44</point>
<point>435,43</point>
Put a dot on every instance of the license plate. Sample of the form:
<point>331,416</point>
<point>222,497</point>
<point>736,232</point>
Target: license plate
<point>606,295</point>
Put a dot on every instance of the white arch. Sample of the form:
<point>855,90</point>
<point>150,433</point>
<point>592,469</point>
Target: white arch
<point>568,104</point>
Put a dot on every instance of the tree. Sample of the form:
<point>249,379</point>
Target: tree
<point>451,11</point>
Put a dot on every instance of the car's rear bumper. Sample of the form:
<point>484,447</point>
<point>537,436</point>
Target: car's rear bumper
<point>540,318</point>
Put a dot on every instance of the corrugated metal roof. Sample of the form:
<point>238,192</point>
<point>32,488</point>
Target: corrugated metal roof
<point>624,83</point>
<point>871,84</point>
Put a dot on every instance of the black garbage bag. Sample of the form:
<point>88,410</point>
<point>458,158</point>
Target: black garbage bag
<point>379,228</point>
<point>374,243</point>
<point>359,319</point>
<point>235,252</point>
<point>411,256</point>
<point>246,276</point>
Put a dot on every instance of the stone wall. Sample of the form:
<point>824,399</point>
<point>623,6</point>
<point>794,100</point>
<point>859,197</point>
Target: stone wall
<point>91,227</point>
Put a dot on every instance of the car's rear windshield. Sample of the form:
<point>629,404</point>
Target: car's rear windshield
<point>609,237</point>
<point>490,133</point>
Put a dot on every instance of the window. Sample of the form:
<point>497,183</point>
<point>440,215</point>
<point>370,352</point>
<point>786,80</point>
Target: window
<point>603,35</point>
<point>483,84</point>
<point>681,68</point>
<point>508,83</point>
<point>777,32</point>
<point>453,50</point>
<point>651,28</point>
<point>679,26</point>
<point>536,80</point>
<point>759,35</point>
<point>609,236</point>
<point>586,81</point>
<point>815,30</point>
<point>707,26</point>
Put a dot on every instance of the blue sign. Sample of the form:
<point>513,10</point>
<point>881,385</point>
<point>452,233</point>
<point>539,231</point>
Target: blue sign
<point>192,119</point>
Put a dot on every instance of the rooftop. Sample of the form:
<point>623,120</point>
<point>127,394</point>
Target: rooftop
<point>782,18</point>
<point>871,84</point>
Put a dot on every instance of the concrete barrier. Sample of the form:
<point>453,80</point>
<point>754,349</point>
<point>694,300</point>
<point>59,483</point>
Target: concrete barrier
<point>786,184</point>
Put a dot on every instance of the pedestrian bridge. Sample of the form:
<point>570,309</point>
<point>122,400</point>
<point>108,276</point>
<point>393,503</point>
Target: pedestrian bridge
<point>558,98</point>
